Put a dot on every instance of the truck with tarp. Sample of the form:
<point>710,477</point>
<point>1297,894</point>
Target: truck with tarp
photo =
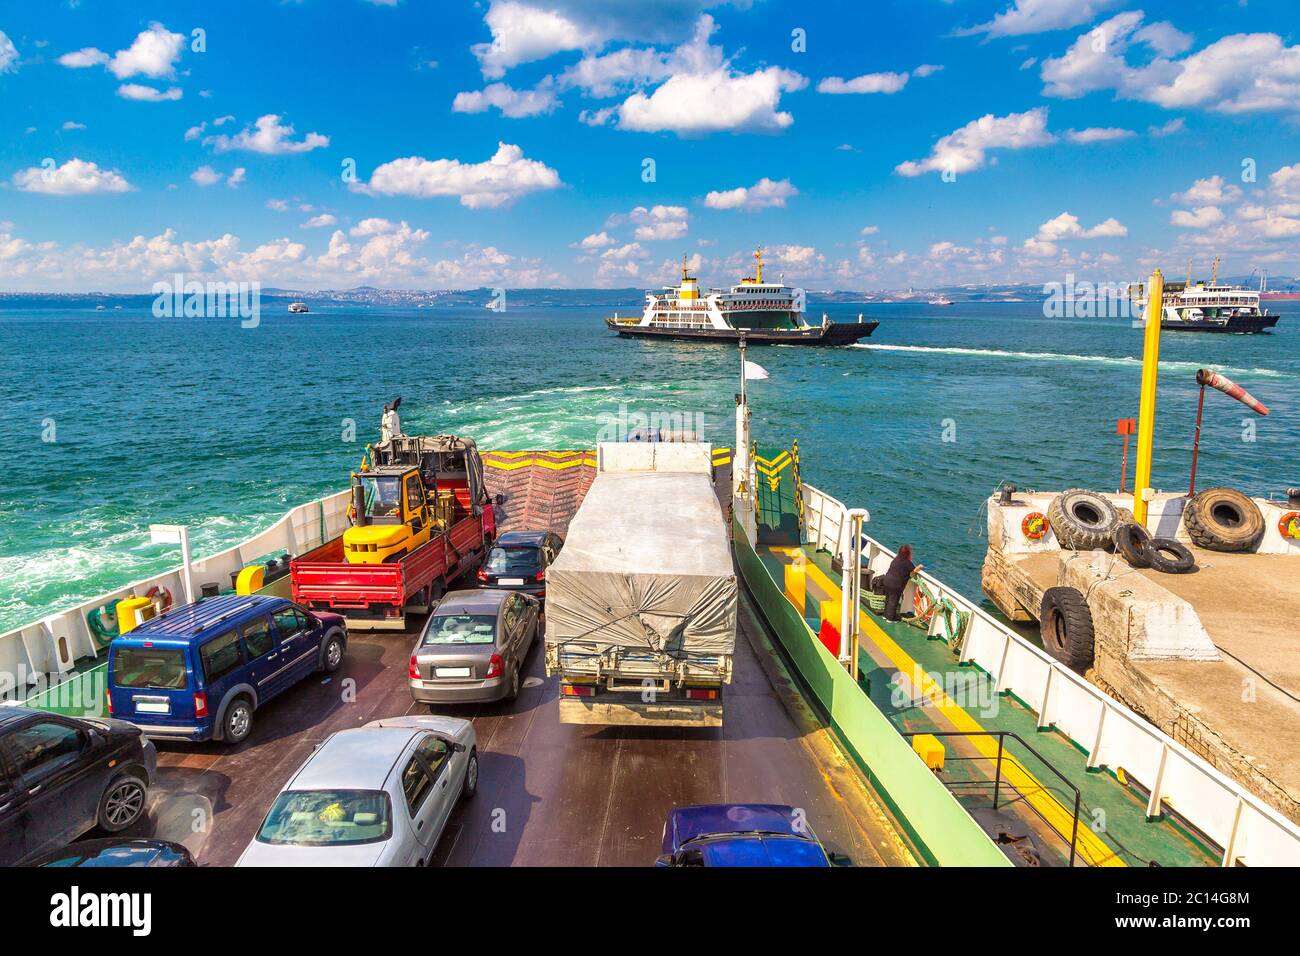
<point>641,603</point>
<point>419,519</point>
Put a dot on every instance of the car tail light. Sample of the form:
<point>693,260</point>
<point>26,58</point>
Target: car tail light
<point>108,699</point>
<point>482,575</point>
<point>200,704</point>
<point>496,666</point>
<point>541,575</point>
<point>696,693</point>
<point>577,690</point>
<point>414,670</point>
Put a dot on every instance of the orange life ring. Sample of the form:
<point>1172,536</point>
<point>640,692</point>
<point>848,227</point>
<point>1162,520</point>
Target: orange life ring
<point>1289,525</point>
<point>159,590</point>
<point>1034,526</point>
<point>922,603</point>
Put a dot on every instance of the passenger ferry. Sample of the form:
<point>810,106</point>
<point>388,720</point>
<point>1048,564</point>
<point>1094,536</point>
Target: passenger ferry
<point>760,310</point>
<point>298,307</point>
<point>1211,307</point>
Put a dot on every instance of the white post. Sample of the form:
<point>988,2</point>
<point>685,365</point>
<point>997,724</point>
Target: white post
<point>740,456</point>
<point>177,534</point>
<point>851,593</point>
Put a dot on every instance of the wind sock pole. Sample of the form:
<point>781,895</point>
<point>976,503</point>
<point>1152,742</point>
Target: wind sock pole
<point>1147,408</point>
<point>1228,387</point>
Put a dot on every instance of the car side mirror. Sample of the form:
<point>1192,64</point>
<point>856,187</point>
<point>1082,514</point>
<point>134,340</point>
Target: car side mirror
<point>665,860</point>
<point>458,748</point>
<point>839,859</point>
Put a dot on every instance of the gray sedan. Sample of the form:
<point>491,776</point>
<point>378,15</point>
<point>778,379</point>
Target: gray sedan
<point>473,647</point>
<point>377,795</point>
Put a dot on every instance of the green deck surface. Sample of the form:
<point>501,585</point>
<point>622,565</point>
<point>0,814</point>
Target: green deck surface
<point>1115,813</point>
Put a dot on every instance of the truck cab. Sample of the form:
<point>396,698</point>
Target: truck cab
<point>391,515</point>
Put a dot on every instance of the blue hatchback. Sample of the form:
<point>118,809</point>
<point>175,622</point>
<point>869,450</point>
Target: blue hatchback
<point>199,672</point>
<point>741,834</point>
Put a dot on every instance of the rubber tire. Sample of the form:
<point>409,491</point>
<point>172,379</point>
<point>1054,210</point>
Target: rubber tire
<point>101,815</point>
<point>1066,627</point>
<point>225,721</point>
<point>466,791</point>
<point>1125,515</point>
<point>1182,563</point>
<point>331,638</point>
<point>1075,533</point>
<point>1133,544</point>
<point>514,684</point>
<point>1208,524</point>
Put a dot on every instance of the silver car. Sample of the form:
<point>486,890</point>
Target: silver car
<point>377,795</point>
<point>473,647</point>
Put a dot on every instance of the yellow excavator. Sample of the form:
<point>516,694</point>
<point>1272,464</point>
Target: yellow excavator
<point>390,513</point>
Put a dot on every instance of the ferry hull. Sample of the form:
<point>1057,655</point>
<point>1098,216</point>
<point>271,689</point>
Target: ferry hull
<point>1237,324</point>
<point>841,333</point>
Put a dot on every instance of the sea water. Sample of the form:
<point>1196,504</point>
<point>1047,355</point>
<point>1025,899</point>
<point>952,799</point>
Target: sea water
<point>115,419</point>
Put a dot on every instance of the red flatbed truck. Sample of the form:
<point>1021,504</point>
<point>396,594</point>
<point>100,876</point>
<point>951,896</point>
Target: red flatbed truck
<point>379,596</point>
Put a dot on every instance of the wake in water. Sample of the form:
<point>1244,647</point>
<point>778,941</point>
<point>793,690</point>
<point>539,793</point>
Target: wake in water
<point>1063,357</point>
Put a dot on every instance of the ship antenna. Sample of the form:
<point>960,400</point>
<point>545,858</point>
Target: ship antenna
<point>758,267</point>
<point>684,274</point>
<point>1214,278</point>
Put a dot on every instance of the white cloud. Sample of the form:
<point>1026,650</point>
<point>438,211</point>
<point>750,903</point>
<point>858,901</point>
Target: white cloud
<point>511,102</point>
<point>237,177</point>
<point>926,69</point>
<point>1235,74</point>
<point>153,53</point>
<point>629,251</point>
<point>522,33</point>
<point>658,222</point>
<point>374,226</point>
<point>866,83</point>
<point>8,54</point>
<point>268,135</point>
<point>1066,226</point>
<point>1039,16</point>
<point>83,58</point>
<point>148,94</point>
<point>277,205</point>
<point>73,124</point>
<point>74,178</point>
<point>1285,183</point>
<point>194,132</point>
<point>1200,218</point>
<point>1212,191</point>
<point>597,240</point>
<point>763,194</point>
<point>964,149</point>
<point>870,230</point>
<point>721,100</point>
<point>319,222</point>
<point>500,180</point>
<point>206,176</point>
<point>1098,134</point>
<point>1173,127</point>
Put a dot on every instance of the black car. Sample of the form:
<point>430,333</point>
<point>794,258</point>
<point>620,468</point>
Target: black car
<point>518,561</point>
<point>61,776</point>
<point>115,852</point>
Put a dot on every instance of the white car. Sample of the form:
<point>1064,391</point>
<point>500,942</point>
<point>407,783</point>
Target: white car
<point>377,795</point>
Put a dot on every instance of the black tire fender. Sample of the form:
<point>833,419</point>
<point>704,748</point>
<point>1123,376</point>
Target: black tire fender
<point>1133,544</point>
<point>1065,623</point>
<point>1181,562</point>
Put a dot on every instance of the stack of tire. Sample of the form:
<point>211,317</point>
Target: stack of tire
<point>1086,521</point>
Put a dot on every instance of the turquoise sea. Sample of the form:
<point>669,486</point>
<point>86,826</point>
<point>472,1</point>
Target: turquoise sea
<point>202,422</point>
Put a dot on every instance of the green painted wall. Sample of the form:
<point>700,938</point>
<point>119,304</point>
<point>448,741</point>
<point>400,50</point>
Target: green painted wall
<point>943,831</point>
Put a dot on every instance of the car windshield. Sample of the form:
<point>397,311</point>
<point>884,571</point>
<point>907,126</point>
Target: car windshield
<point>460,629</point>
<point>327,818</point>
<point>383,495</point>
<point>522,558</point>
<point>153,667</point>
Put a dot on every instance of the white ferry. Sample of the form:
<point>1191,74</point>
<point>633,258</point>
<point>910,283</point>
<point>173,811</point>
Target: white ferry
<point>760,310</point>
<point>1212,307</point>
<point>298,307</point>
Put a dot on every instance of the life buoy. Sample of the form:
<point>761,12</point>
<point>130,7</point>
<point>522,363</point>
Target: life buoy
<point>1034,526</point>
<point>1289,525</point>
<point>922,602</point>
<point>163,596</point>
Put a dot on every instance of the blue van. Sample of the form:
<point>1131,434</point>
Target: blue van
<point>199,672</point>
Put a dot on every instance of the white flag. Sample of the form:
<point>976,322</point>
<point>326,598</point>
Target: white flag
<point>754,372</point>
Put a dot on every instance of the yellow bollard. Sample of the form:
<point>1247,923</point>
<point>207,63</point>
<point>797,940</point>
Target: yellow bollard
<point>796,585</point>
<point>930,749</point>
<point>132,612</point>
<point>250,579</point>
<point>1147,408</point>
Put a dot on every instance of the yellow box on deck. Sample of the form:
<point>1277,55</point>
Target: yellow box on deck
<point>796,585</point>
<point>830,611</point>
<point>930,749</point>
<point>132,612</point>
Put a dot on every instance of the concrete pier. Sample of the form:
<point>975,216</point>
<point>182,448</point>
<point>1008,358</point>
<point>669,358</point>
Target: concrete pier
<point>1212,657</point>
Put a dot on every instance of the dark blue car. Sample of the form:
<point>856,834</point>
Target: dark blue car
<point>741,834</point>
<point>199,672</point>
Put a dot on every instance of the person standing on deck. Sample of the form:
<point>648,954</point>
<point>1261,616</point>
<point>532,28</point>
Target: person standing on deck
<point>892,584</point>
<point>394,422</point>
<point>385,425</point>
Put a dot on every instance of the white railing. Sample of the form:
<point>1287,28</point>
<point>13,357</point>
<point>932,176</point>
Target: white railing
<point>51,647</point>
<point>1247,829</point>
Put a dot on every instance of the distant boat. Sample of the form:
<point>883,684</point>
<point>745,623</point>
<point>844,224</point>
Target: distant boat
<point>99,308</point>
<point>298,307</point>
<point>941,300</point>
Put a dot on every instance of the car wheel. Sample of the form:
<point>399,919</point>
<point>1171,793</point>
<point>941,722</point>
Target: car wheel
<point>238,723</point>
<point>122,804</point>
<point>333,652</point>
<point>471,777</point>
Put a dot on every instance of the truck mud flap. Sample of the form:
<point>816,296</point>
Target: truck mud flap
<point>577,710</point>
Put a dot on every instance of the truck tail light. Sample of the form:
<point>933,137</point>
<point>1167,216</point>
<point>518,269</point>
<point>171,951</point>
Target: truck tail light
<point>541,575</point>
<point>413,671</point>
<point>496,666</point>
<point>201,704</point>
<point>699,693</point>
<point>577,690</point>
<point>108,700</point>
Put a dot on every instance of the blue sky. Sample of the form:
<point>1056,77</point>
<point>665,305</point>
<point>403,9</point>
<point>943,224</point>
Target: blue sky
<point>410,144</point>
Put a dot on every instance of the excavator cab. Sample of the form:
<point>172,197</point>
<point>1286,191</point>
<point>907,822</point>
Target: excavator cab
<point>391,515</point>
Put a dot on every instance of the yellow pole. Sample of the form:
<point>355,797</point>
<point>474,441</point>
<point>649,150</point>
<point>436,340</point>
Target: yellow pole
<point>1147,409</point>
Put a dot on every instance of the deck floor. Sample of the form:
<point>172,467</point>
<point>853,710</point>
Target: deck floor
<point>1035,823</point>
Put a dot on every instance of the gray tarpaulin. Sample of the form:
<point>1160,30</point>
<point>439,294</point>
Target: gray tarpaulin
<point>646,564</point>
